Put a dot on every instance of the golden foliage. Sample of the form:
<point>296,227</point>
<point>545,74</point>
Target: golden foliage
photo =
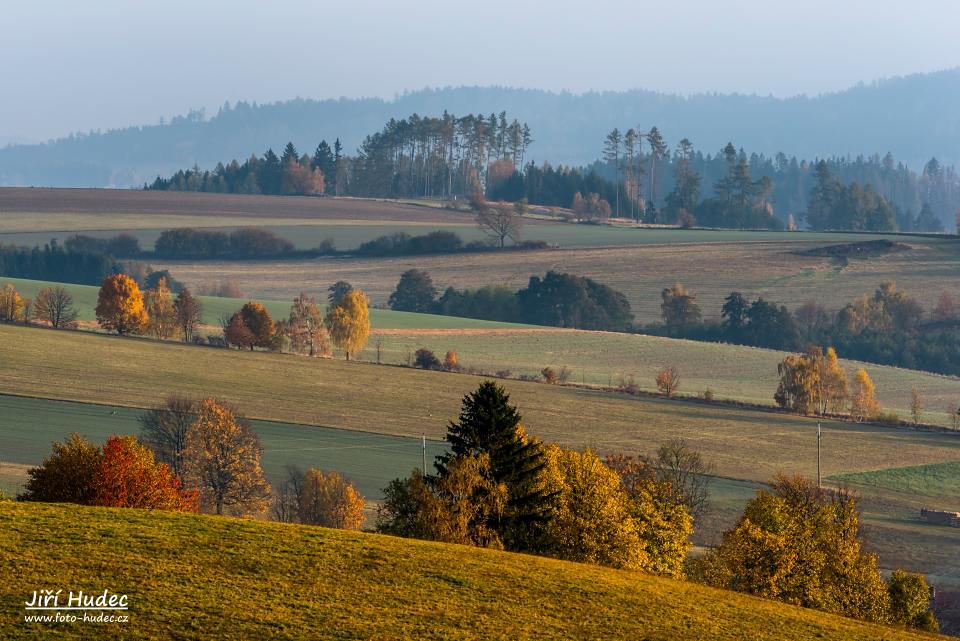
<point>812,382</point>
<point>330,501</point>
<point>348,322</point>
<point>592,521</point>
<point>863,401</point>
<point>120,305</point>
<point>222,460</point>
<point>11,304</point>
<point>161,314</point>
<point>799,544</point>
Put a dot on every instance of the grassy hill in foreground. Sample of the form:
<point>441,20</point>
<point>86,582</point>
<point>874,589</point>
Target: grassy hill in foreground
<point>191,577</point>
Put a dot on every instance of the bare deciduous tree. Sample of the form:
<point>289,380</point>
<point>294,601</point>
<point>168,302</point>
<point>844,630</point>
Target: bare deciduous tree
<point>688,474</point>
<point>500,221</point>
<point>164,429</point>
<point>54,305</point>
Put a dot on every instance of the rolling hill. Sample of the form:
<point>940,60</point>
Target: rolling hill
<point>914,117</point>
<point>193,576</point>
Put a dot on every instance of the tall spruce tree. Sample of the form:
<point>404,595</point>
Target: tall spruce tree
<point>488,424</point>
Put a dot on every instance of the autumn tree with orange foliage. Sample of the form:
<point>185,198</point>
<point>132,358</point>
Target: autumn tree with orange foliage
<point>128,476</point>
<point>222,459</point>
<point>250,327</point>
<point>120,305</point>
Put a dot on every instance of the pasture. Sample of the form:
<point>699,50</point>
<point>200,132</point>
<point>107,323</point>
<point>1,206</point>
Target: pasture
<point>195,576</point>
<point>603,359</point>
<point>711,270</point>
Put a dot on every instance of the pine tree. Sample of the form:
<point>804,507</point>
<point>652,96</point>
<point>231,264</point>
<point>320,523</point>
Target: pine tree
<point>488,424</point>
<point>289,154</point>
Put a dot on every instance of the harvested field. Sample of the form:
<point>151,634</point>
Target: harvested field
<point>710,270</point>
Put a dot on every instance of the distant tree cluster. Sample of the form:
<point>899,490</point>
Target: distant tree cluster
<point>559,300</point>
<point>288,174</point>
<point>654,185</point>
<point>888,328</point>
<point>442,157</point>
<point>346,325</point>
<point>56,263</point>
<point>249,242</point>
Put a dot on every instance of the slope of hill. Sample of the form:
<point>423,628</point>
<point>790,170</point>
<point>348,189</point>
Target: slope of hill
<point>915,117</point>
<point>192,577</point>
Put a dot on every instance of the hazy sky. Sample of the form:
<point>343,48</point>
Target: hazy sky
<point>69,65</point>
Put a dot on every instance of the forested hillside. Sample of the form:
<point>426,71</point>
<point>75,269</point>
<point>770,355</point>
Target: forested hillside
<point>915,118</point>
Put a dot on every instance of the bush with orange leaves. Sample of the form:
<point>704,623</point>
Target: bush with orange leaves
<point>128,476</point>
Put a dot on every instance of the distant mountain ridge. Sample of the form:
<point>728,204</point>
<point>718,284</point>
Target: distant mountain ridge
<point>915,117</point>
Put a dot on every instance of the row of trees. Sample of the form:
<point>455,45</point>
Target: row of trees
<point>346,324</point>
<point>888,327</point>
<point>288,174</point>
<point>814,383</point>
<point>443,157</point>
<point>559,300</point>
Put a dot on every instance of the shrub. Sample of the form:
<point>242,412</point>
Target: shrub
<point>450,361</point>
<point>128,476</point>
<point>66,476</point>
<point>549,375</point>
<point>668,379</point>
<point>628,385</point>
<point>426,359</point>
<point>707,394</point>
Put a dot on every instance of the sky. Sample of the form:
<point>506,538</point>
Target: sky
<point>78,66</point>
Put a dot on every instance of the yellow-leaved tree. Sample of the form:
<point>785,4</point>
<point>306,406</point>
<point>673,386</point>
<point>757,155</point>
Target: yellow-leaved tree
<point>330,501</point>
<point>11,304</point>
<point>591,521</point>
<point>120,305</point>
<point>348,321</point>
<point>161,315</point>
<point>863,401</point>
<point>222,461</point>
<point>799,543</point>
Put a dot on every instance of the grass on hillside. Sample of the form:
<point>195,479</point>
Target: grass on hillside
<point>202,577</point>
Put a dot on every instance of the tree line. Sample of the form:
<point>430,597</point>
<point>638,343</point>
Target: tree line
<point>889,327</point>
<point>864,193</point>
<point>639,177</point>
<point>556,299</point>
